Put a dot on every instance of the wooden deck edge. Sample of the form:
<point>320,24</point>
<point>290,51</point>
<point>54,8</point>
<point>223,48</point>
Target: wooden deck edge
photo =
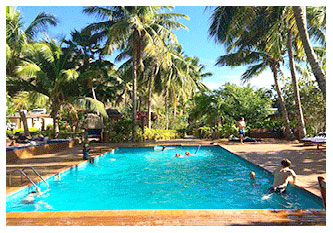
<point>172,217</point>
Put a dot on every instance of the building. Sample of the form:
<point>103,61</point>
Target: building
<point>36,120</point>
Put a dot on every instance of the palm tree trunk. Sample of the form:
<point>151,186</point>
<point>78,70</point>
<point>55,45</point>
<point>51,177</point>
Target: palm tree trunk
<point>150,90</point>
<point>300,118</point>
<point>135,63</point>
<point>54,116</point>
<point>25,123</point>
<point>281,101</point>
<point>300,16</point>
<point>93,93</point>
<point>167,108</point>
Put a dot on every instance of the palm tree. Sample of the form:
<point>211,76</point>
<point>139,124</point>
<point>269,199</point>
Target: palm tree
<point>44,70</point>
<point>285,27</point>
<point>180,80</point>
<point>300,16</point>
<point>16,39</point>
<point>134,27</point>
<point>243,33</point>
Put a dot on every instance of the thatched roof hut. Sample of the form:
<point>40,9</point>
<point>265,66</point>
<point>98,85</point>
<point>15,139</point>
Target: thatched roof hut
<point>114,113</point>
<point>93,121</point>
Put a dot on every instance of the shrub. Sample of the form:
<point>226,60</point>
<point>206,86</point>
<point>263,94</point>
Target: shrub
<point>49,126</point>
<point>160,134</point>
<point>181,132</point>
<point>121,131</point>
<point>203,132</point>
<point>228,129</point>
<point>32,131</point>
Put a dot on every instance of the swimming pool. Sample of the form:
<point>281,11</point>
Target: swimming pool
<point>149,178</point>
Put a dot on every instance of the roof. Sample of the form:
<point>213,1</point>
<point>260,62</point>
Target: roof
<point>93,121</point>
<point>31,115</point>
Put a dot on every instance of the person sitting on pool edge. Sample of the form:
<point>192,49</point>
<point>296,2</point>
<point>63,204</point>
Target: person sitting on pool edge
<point>282,176</point>
<point>86,155</point>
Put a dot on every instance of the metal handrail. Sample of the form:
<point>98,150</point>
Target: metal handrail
<point>22,174</point>
<point>33,169</point>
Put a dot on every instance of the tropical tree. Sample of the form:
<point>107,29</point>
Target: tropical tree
<point>135,27</point>
<point>222,108</point>
<point>16,40</point>
<point>239,34</point>
<point>180,80</point>
<point>300,16</point>
<point>47,69</point>
<point>16,37</point>
<point>44,69</point>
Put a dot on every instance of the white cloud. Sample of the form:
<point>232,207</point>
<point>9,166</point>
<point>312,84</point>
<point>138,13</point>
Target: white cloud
<point>263,80</point>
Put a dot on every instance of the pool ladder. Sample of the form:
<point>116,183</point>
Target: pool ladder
<point>23,174</point>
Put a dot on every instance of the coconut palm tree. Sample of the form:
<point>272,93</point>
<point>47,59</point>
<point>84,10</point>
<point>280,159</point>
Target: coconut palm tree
<point>243,33</point>
<point>134,27</point>
<point>300,16</point>
<point>17,38</point>
<point>180,80</point>
<point>44,70</point>
<point>284,25</point>
<point>47,69</point>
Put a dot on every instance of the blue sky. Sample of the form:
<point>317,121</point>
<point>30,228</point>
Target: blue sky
<point>195,41</point>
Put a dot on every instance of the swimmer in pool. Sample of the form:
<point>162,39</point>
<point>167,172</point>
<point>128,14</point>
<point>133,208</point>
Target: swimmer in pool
<point>177,155</point>
<point>30,198</point>
<point>252,175</point>
<point>282,176</point>
<point>163,148</point>
<point>188,153</point>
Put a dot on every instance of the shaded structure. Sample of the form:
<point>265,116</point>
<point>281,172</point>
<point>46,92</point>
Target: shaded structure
<point>114,114</point>
<point>93,126</point>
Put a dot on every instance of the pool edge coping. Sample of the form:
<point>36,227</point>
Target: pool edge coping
<point>149,145</point>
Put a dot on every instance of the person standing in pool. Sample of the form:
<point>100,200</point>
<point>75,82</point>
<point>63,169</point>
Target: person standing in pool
<point>282,177</point>
<point>241,129</point>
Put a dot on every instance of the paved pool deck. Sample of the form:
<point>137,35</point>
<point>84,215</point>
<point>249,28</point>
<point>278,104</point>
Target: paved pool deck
<point>308,163</point>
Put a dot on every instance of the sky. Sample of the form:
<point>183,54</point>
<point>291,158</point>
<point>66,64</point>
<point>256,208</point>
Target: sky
<point>195,41</point>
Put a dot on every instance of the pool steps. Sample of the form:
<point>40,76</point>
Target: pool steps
<point>23,174</point>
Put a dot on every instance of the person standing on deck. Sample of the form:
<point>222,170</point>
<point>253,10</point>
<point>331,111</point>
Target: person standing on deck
<point>241,129</point>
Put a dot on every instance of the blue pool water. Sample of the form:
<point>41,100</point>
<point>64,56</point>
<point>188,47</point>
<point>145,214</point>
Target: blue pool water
<point>147,178</point>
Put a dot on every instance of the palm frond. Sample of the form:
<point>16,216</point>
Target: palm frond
<point>91,104</point>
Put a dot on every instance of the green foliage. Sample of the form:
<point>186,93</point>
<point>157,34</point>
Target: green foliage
<point>160,134</point>
<point>217,112</point>
<point>121,131</point>
<point>179,122</point>
<point>9,106</point>
<point>49,126</point>
<point>203,132</point>
<point>313,105</point>
<point>268,124</point>
<point>215,132</point>
<point>33,131</point>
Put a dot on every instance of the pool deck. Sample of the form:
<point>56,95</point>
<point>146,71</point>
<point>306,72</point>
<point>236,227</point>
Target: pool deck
<point>308,163</point>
